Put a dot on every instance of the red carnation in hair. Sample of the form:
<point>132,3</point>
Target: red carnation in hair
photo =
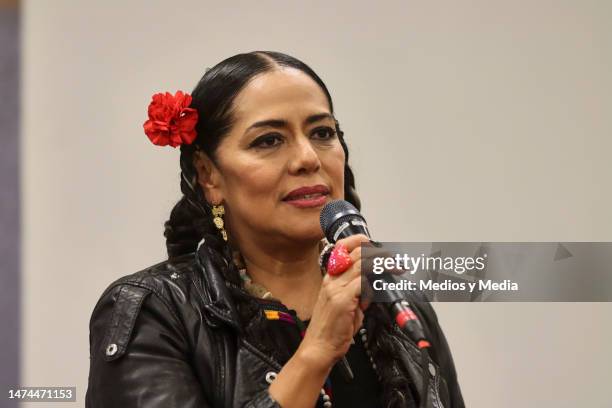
<point>171,121</point>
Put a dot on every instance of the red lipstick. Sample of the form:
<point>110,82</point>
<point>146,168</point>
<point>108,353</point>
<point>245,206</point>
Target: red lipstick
<point>309,196</point>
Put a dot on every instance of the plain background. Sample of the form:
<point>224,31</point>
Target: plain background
<point>467,121</point>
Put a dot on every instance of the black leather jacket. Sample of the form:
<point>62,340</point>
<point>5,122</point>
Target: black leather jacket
<point>171,336</point>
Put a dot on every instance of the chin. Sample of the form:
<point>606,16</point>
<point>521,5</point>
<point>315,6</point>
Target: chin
<point>308,234</point>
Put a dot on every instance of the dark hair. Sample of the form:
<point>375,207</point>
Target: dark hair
<point>191,218</point>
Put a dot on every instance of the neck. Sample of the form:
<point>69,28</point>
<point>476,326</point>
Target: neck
<point>291,274</point>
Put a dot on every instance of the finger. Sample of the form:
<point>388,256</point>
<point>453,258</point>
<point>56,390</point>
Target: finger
<point>353,241</point>
<point>364,292</point>
<point>344,292</point>
<point>373,252</point>
<point>366,297</point>
<point>355,254</point>
<point>353,288</point>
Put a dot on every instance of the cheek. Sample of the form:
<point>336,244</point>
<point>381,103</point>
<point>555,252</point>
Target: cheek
<point>250,185</point>
<point>335,170</point>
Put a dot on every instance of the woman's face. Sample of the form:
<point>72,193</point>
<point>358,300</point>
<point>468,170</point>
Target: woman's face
<point>283,139</point>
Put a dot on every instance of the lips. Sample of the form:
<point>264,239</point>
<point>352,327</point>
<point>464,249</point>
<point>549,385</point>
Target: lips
<point>307,193</point>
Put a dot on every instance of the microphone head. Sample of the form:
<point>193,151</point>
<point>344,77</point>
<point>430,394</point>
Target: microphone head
<point>334,211</point>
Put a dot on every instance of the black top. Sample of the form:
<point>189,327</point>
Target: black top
<point>364,389</point>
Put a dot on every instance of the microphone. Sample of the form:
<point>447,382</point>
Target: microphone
<point>340,219</point>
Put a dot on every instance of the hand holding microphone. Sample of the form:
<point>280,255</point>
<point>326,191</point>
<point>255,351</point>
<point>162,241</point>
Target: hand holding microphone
<point>337,315</point>
<point>340,221</point>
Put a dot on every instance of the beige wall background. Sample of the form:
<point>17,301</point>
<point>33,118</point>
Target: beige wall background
<point>467,121</point>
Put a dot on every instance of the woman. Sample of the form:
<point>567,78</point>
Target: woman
<point>240,313</point>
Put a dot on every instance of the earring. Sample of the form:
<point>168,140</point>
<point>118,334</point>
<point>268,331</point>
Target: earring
<point>218,212</point>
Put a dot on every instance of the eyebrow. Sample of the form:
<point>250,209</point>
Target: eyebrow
<point>283,123</point>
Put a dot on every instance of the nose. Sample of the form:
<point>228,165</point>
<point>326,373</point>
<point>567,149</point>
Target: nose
<point>305,158</point>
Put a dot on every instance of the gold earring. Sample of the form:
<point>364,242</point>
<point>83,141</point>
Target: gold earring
<point>218,212</point>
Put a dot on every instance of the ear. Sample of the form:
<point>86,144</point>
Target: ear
<point>209,177</point>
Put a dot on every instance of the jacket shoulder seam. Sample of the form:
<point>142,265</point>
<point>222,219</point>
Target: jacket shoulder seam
<point>122,321</point>
<point>151,289</point>
<point>139,279</point>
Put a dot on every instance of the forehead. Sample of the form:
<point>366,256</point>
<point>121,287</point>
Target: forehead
<point>280,93</point>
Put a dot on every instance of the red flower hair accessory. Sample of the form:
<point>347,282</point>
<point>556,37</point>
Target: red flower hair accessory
<point>171,120</point>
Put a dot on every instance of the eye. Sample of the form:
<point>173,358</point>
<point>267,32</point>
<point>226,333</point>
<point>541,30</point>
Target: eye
<point>266,141</point>
<point>324,133</point>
